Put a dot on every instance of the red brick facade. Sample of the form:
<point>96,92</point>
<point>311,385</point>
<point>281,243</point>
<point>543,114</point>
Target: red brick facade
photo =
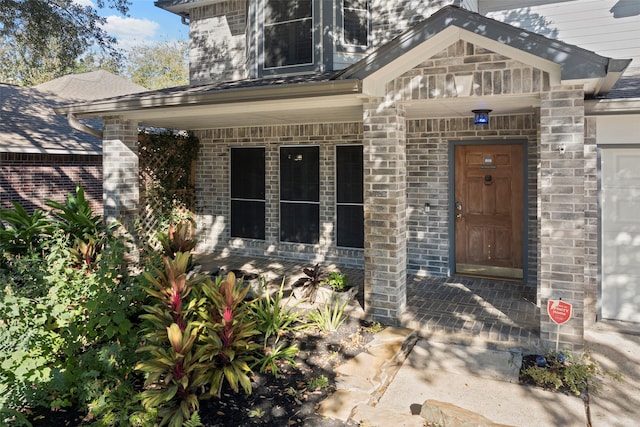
<point>30,179</point>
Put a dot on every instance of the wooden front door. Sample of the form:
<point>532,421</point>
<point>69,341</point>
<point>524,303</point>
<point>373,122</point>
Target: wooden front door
<point>488,210</point>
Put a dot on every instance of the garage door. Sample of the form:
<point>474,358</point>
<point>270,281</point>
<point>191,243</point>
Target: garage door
<point>621,234</point>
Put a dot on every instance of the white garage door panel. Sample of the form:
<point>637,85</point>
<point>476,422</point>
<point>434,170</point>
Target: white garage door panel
<point>621,234</point>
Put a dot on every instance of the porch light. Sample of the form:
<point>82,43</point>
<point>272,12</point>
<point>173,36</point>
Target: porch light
<point>481,117</point>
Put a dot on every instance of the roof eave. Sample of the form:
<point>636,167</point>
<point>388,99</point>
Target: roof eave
<point>602,107</point>
<point>236,95</point>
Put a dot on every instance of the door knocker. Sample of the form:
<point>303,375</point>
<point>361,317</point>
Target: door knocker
<point>488,180</point>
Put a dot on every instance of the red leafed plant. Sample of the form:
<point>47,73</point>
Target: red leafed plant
<point>226,341</point>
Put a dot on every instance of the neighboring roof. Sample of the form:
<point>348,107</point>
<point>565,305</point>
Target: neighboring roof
<point>29,125</point>
<point>90,86</point>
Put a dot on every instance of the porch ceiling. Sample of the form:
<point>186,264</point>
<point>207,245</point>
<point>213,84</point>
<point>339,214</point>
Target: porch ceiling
<point>461,107</point>
<point>347,108</point>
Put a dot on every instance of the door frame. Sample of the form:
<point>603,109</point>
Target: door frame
<point>525,199</point>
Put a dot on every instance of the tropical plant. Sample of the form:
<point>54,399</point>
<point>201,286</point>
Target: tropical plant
<point>274,316</point>
<point>171,331</point>
<point>310,283</point>
<point>330,315</point>
<point>180,237</point>
<point>171,381</point>
<point>86,231</point>
<point>170,287</point>
<point>23,234</point>
<point>276,354</point>
<point>226,346</point>
<point>336,281</point>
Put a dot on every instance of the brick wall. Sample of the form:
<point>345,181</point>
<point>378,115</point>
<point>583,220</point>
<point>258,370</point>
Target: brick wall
<point>217,47</point>
<point>212,190</point>
<point>428,181</point>
<point>385,211</point>
<point>31,179</point>
<point>563,212</point>
<point>467,70</point>
<point>121,176</point>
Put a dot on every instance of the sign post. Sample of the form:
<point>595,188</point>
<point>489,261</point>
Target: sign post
<point>560,312</point>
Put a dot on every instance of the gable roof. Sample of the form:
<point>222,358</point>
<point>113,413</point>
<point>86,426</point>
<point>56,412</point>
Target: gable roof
<point>439,30</point>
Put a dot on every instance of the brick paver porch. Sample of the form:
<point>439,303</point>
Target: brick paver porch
<point>458,309</point>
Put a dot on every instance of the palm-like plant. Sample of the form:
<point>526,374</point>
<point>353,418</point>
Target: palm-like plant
<point>21,233</point>
<point>88,231</point>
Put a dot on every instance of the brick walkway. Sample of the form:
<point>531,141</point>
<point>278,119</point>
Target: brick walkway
<point>458,309</point>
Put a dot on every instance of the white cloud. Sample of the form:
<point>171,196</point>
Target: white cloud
<point>85,3</point>
<point>131,31</point>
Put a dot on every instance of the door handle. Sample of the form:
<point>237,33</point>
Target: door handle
<point>458,209</point>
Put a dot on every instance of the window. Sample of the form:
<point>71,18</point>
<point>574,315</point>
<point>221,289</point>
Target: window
<point>300,194</point>
<point>288,33</point>
<point>350,196</point>
<point>356,22</point>
<point>247,193</point>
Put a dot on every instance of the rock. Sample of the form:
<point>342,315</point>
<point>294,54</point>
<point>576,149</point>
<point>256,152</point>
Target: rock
<point>369,416</point>
<point>445,414</point>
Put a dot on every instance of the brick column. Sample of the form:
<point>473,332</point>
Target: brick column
<point>561,205</point>
<point>385,205</point>
<point>120,165</point>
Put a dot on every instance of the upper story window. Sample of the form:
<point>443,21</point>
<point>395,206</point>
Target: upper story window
<point>355,22</point>
<point>288,33</point>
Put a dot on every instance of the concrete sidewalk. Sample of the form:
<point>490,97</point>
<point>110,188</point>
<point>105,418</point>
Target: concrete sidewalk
<point>387,385</point>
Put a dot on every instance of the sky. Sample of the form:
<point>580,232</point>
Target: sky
<point>145,24</point>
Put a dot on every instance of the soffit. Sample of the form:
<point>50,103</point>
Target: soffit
<point>341,108</point>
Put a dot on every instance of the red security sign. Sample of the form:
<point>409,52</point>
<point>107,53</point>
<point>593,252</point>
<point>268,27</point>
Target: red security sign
<point>559,311</point>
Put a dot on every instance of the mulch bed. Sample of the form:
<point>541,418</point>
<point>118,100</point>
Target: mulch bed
<point>284,401</point>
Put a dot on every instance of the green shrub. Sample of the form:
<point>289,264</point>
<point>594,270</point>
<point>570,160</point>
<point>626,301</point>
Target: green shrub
<point>336,281</point>
<point>561,371</point>
<point>86,231</point>
<point>330,316</point>
<point>66,338</point>
<point>23,234</point>
<point>273,316</point>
